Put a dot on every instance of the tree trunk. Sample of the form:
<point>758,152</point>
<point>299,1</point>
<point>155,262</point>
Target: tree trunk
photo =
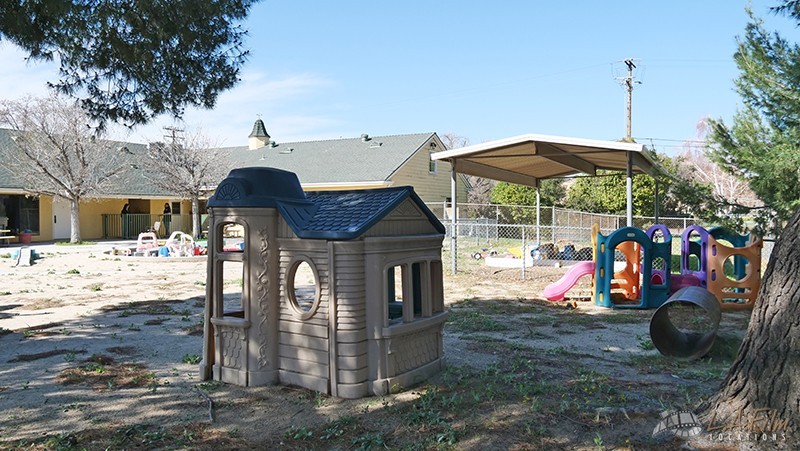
<point>75,220</point>
<point>762,390</point>
<point>195,218</point>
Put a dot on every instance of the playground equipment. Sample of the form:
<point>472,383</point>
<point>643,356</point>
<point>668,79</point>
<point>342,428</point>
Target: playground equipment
<point>731,273</point>
<point>557,290</point>
<point>634,286</point>
<point>180,244</point>
<point>671,341</point>
<point>147,244</point>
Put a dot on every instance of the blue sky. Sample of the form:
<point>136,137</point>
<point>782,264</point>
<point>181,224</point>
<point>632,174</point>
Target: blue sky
<point>322,70</point>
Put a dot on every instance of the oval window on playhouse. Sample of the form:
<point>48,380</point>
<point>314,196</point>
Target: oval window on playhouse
<point>303,291</point>
<point>413,290</point>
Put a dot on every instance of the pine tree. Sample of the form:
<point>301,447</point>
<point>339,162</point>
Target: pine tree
<point>128,61</point>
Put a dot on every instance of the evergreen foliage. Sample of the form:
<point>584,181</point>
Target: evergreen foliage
<point>761,143</point>
<point>129,60</point>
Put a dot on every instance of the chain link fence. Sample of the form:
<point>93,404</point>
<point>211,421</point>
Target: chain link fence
<point>562,235</point>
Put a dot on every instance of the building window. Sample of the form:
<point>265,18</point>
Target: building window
<point>432,164</point>
<point>20,212</point>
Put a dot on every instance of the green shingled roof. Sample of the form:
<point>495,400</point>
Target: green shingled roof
<point>349,160</point>
<point>132,183</point>
<point>336,160</point>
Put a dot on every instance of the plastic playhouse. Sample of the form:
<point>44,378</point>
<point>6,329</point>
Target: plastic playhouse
<point>644,279</point>
<point>341,292</point>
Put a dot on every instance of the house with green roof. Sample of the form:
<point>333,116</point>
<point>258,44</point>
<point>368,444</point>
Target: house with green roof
<point>336,164</point>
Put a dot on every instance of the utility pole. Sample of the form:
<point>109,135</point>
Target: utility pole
<point>627,82</point>
<point>173,134</point>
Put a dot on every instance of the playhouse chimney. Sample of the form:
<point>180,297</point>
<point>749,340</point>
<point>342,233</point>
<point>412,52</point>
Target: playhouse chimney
<point>258,137</point>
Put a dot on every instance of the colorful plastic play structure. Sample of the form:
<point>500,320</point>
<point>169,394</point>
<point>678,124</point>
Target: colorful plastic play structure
<point>732,273</point>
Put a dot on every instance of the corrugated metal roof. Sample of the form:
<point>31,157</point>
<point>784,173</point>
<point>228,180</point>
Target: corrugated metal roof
<point>525,159</point>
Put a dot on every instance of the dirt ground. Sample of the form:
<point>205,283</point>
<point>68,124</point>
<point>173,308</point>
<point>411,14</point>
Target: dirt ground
<point>100,351</point>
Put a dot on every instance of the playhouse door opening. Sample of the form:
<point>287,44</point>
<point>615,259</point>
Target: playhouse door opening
<point>627,281</point>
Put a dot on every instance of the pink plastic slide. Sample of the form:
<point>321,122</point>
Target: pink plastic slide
<point>555,291</point>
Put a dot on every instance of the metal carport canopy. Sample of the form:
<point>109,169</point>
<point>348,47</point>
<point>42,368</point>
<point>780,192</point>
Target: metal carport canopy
<point>526,159</point>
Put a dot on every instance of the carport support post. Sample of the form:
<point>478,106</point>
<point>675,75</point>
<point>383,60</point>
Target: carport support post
<point>629,188</point>
<point>453,232</point>
<point>655,207</point>
<point>538,216</point>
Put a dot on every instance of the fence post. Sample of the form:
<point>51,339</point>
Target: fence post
<point>523,253</point>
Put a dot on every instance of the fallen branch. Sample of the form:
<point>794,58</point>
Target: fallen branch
<point>210,403</point>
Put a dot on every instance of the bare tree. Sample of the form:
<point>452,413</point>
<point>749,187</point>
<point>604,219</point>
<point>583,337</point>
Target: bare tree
<point>731,191</point>
<point>188,166</point>
<point>480,191</point>
<point>57,153</point>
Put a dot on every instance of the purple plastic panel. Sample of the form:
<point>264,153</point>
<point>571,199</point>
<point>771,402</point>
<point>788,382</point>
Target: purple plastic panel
<point>702,253</point>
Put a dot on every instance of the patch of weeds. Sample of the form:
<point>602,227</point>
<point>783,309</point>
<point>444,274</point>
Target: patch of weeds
<point>5,293</point>
<point>73,271</point>
<point>102,372</point>
<point>96,287</point>
<point>192,358</point>
<point>428,412</point>
<point>474,321</point>
<point>299,433</point>
<point>336,428</point>
<point>371,440</point>
<point>4,331</point>
<point>133,327</point>
<point>598,441</point>
<point>500,306</point>
<point>209,386</point>
<point>320,399</point>
<point>645,343</point>
<point>200,283</point>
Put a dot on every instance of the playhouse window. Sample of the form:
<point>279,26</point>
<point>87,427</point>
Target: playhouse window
<point>437,289</point>
<point>230,237</point>
<point>405,288</point>
<point>303,288</point>
<point>231,288</point>
<point>394,284</point>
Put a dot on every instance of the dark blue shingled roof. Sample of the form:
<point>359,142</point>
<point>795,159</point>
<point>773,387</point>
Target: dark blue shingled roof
<point>330,215</point>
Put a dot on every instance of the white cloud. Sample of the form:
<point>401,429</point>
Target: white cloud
<point>19,77</point>
<point>279,100</point>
